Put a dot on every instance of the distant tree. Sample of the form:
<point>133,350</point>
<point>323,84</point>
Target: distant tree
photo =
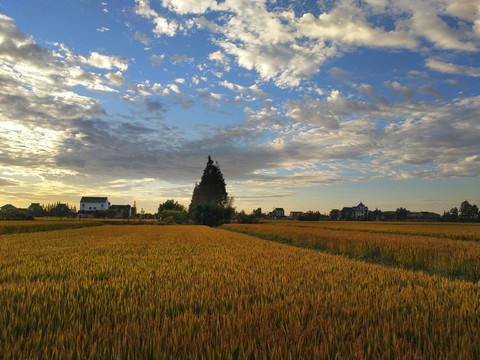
<point>374,215</point>
<point>475,212</point>
<point>171,212</point>
<point>454,213</point>
<point>99,214</point>
<point>451,215</point>
<point>212,187</point>
<point>171,205</point>
<point>465,210</point>
<point>347,214</point>
<point>258,213</point>
<point>15,214</point>
<point>243,218</point>
<point>212,214</point>
<point>334,214</point>
<point>312,216</point>
<point>59,210</point>
<point>401,214</point>
<point>210,198</point>
<point>468,211</point>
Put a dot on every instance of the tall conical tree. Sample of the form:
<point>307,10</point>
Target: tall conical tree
<point>212,187</point>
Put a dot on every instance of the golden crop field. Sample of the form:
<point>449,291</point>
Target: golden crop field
<point>443,256</point>
<point>196,292</point>
<point>455,231</point>
<point>44,224</point>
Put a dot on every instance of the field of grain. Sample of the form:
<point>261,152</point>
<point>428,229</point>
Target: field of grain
<point>452,258</point>
<point>454,231</point>
<point>197,292</point>
<point>13,226</point>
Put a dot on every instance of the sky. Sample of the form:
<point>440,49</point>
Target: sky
<point>306,105</point>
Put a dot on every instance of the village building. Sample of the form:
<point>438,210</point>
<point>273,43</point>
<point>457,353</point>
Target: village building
<point>278,213</point>
<point>35,208</point>
<point>294,215</point>
<point>91,204</point>
<point>360,212</point>
<point>7,207</point>
<point>125,211</point>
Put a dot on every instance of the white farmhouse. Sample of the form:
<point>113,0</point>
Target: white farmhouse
<point>91,204</point>
<point>360,212</point>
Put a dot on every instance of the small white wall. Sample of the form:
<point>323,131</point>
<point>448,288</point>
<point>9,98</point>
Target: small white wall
<point>94,206</point>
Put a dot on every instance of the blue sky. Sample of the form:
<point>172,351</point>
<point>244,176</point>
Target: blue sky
<point>306,105</point>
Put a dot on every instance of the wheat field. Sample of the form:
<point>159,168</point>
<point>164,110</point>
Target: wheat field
<point>196,292</point>
<point>458,259</point>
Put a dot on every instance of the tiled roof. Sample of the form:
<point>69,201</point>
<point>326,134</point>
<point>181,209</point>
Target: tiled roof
<point>87,199</point>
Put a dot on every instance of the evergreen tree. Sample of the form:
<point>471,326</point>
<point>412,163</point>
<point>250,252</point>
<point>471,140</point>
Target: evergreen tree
<point>212,187</point>
<point>210,203</point>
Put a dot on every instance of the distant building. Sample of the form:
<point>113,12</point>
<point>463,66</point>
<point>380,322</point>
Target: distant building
<point>294,215</point>
<point>34,207</point>
<point>7,207</point>
<point>360,212</point>
<point>388,216</point>
<point>91,204</point>
<point>125,211</point>
<point>423,216</point>
<point>277,214</point>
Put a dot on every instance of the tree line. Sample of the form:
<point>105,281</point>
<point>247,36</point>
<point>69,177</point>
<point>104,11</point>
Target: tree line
<point>211,205</point>
<point>467,212</point>
<point>36,210</point>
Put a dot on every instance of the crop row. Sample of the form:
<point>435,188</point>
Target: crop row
<point>450,258</point>
<point>15,227</point>
<point>454,231</point>
<point>197,292</point>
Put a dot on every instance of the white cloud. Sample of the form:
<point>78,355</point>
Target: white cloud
<point>103,29</point>
<point>157,59</point>
<point>142,38</point>
<point>220,58</point>
<point>180,59</point>
<point>143,9</point>
<point>189,6</point>
<point>174,88</point>
<point>164,27</point>
<point>217,96</point>
<point>287,47</point>
<point>348,26</point>
<point>107,62</point>
<point>450,68</point>
<point>146,89</point>
<point>434,29</point>
<point>469,166</point>
<point>115,78</point>
<point>233,87</point>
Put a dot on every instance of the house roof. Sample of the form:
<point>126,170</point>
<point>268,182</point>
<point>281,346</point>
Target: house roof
<point>7,206</point>
<point>92,199</point>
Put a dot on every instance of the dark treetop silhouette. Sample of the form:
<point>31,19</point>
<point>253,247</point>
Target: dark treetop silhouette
<point>210,202</point>
<point>212,187</point>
